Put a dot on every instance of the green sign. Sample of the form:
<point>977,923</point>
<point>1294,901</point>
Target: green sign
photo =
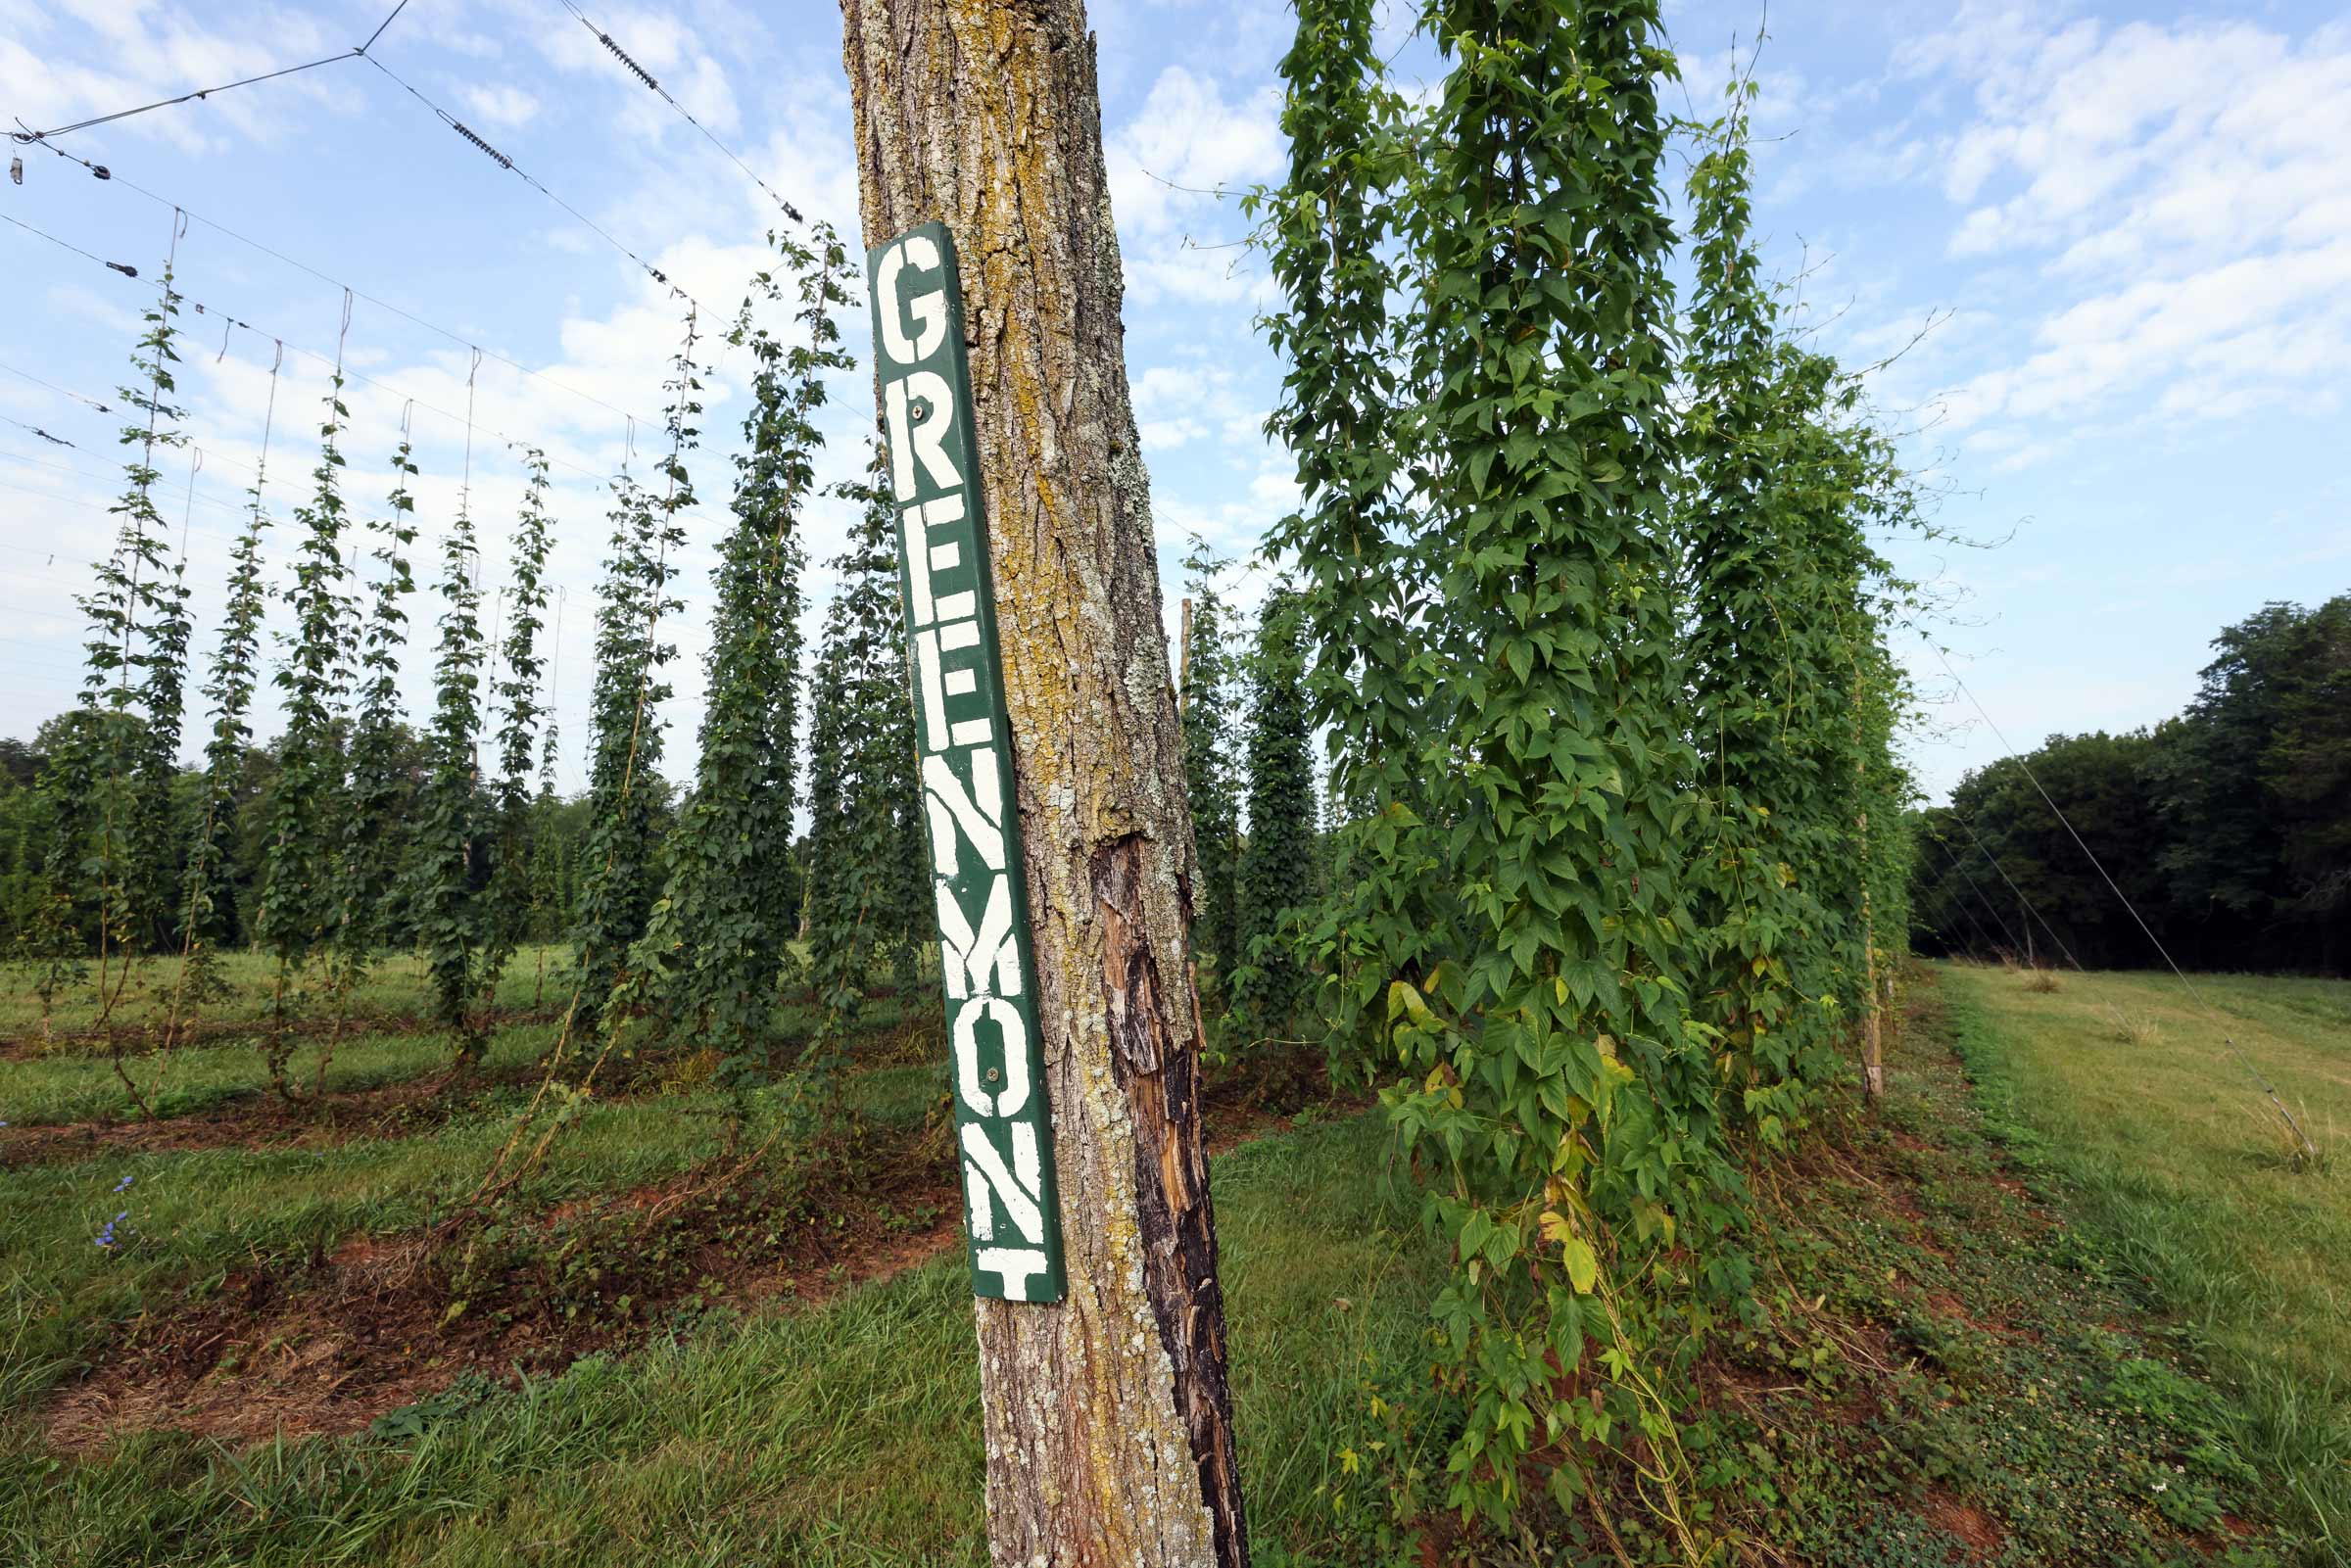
<point>1003,1127</point>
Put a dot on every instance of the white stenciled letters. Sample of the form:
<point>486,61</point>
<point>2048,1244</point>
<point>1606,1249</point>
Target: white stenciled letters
<point>970,1080</point>
<point>979,813</point>
<point>1016,1263</point>
<point>986,1183</point>
<point>969,959</point>
<point>925,439</point>
<point>928,308</point>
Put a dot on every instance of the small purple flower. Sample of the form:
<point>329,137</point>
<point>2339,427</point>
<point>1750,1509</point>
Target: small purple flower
<point>106,1237</point>
<point>124,1184</point>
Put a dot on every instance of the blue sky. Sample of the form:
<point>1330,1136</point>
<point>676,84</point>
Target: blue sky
<point>2126,233</point>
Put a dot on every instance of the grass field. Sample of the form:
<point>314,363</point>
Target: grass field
<point>2067,1308</point>
<point>2160,1143</point>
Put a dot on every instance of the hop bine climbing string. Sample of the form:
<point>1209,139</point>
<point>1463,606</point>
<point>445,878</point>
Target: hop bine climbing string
<point>116,177</point>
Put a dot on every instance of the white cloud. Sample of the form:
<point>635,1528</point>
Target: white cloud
<point>152,52</point>
<point>1175,170</point>
<point>500,104</point>
<point>2180,193</point>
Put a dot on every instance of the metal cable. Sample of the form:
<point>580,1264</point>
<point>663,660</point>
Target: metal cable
<point>32,137</point>
<point>641,74</point>
<point>2310,1149</point>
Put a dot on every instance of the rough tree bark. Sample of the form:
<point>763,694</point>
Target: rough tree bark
<point>1108,1417</point>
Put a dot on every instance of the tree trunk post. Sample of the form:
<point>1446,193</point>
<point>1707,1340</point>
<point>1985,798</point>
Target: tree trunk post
<point>1108,1417</point>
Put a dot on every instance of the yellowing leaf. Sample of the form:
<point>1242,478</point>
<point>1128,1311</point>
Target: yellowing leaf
<point>1583,1264</point>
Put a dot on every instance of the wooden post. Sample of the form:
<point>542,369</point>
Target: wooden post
<point>1183,659</point>
<point>1873,1039</point>
<point>1109,1429</point>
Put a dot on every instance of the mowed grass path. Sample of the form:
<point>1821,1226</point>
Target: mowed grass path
<point>2166,1147</point>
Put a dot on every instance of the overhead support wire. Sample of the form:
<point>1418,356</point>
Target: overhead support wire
<point>200,308</point>
<point>36,430</point>
<point>54,387</point>
<point>409,316</point>
<point>643,76</point>
<point>519,172</point>
<point>2308,1150</point>
<point>1952,856</point>
<point>2031,908</point>
<point>29,137</point>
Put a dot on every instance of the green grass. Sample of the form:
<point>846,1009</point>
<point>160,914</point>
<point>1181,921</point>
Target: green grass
<point>539,977</point>
<point>845,1434</point>
<point>2160,1144</point>
<point>74,1079</point>
<point>1925,1340</point>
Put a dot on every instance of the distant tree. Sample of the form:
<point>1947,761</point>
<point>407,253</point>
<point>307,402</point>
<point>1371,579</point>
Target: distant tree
<point>2255,782</point>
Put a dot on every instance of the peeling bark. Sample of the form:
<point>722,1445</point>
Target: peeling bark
<point>1108,1415</point>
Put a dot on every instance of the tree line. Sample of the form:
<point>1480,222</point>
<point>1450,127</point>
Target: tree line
<point>2228,828</point>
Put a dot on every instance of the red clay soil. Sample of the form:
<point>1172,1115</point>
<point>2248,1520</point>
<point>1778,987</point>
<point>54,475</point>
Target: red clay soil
<point>249,1122</point>
<point>95,1042</point>
<point>327,1347</point>
<point>1979,1536</point>
<point>260,1119</point>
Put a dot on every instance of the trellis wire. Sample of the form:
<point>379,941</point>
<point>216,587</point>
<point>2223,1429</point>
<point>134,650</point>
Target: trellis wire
<point>323,277</point>
<point>523,174</point>
<point>641,74</point>
<point>2310,1149</point>
<point>31,137</point>
<point>381,386</point>
<point>497,1180</point>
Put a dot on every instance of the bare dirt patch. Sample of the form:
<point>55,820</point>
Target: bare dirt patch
<point>138,1038</point>
<point>260,1120</point>
<point>1978,1534</point>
